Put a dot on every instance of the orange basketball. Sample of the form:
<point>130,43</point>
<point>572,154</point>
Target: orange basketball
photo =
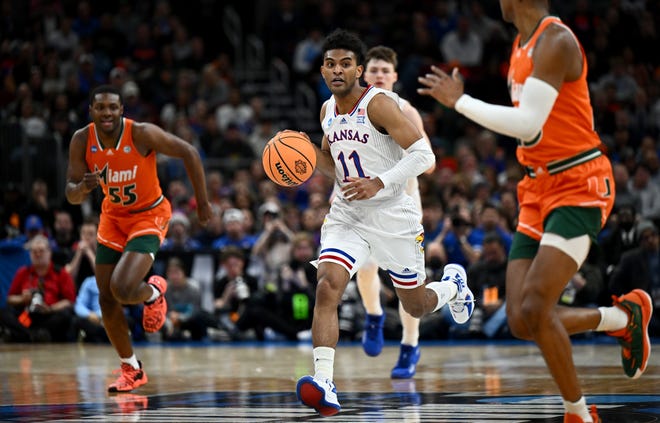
<point>289,158</point>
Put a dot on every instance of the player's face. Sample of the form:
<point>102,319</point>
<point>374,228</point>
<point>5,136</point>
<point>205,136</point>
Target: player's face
<point>106,111</point>
<point>340,71</point>
<point>380,74</point>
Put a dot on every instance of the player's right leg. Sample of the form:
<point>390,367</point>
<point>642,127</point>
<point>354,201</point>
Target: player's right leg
<point>318,391</point>
<point>368,283</point>
<point>114,321</point>
<point>536,275</point>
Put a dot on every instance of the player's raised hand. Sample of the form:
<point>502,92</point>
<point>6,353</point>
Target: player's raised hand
<point>444,88</point>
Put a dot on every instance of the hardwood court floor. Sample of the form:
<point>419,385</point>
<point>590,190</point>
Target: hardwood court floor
<point>455,382</point>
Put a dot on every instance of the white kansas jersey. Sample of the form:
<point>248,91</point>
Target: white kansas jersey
<point>358,148</point>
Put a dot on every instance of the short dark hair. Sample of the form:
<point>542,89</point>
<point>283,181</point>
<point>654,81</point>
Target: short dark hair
<point>231,251</point>
<point>383,53</point>
<point>105,89</point>
<point>340,39</point>
<point>493,237</point>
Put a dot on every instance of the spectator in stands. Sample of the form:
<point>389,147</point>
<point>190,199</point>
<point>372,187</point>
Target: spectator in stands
<point>233,150</point>
<point>462,46</point>
<point>232,289</point>
<point>620,79</point>
<point>487,278</point>
<point>235,232</point>
<point>286,306</point>
<point>490,220</point>
<point>39,204</point>
<point>640,268</point>
<point>585,287</point>
<point>454,237</point>
<point>185,317</point>
<point>622,237</point>
<point>273,246</point>
<point>235,111</point>
<point>624,192</point>
<point>179,237</point>
<point>34,226</point>
<point>64,238</point>
<point>213,88</point>
<point>88,324</point>
<point>213,230</point>
<point>307,52</point>
<point>649,193</point>
<point>83,263</point>
<point>40,299</point>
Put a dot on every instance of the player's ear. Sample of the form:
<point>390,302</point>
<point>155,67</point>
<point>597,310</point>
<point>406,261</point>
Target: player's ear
<point>360,70</point>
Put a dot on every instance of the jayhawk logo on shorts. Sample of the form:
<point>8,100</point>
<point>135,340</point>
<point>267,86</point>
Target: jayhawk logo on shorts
<point>419,240</point>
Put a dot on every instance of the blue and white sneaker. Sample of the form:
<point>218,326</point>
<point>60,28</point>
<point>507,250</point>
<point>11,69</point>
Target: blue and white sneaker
<point>462,305</point>
<point>406,366</point>
<point>319,394</point>
<point>372,337</point>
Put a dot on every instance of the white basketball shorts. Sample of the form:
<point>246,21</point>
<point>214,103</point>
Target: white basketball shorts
<point>391,234</point>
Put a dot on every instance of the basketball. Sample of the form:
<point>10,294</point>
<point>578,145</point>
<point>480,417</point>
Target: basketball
<point>289,158</point>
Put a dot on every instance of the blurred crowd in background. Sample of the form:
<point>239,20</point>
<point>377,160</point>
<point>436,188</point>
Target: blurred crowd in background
<point>226,76</point>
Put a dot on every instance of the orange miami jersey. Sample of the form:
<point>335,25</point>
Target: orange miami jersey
<point>564,163</point>
<point>133,203</point>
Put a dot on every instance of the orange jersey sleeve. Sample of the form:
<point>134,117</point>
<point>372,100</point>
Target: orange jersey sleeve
<point>569,129</point>
<point>129,180</point>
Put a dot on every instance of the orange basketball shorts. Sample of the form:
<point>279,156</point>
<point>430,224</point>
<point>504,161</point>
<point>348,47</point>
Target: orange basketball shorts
<point>116,229</point>
<point>590,184</point>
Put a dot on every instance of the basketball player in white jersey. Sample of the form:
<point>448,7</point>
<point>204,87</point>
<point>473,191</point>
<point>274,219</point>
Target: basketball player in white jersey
<point>371,149</point>
<point>380,71</point>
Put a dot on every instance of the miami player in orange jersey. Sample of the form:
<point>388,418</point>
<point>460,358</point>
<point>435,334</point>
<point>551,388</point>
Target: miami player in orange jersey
<point>119,155</point>
<point>565,197</point>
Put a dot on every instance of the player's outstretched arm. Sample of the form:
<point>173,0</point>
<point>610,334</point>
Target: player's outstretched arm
<point>154,138</point>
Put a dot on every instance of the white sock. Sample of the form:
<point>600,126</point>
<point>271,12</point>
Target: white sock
<point>154,295</point>
<point>324,362</point>
<point>579,408</point>
<point>445,291</point>
<point>132,360</point>
<point>612,318</point>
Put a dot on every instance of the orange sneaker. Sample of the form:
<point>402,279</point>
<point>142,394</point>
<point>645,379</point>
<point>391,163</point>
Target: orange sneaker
<point>574,418</point>
<point>153,315</point>
<point>634,338</point>
<point>129,378</point>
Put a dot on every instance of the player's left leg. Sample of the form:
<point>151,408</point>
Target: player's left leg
<point>368,283</point>
<point>409,351</point>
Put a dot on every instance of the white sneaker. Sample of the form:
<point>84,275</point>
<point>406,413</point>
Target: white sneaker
<point>462,305</point>
<point>319,394</point>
